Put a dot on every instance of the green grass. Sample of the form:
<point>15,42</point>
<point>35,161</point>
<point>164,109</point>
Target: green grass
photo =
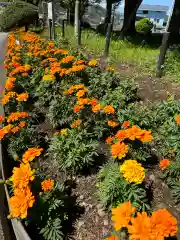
<point>142,59</point>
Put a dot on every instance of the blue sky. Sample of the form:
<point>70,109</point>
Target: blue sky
<point>155,2</point>
<point>158,2</point>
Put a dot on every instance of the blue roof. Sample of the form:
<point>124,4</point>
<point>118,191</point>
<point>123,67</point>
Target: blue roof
<point>157,8</point>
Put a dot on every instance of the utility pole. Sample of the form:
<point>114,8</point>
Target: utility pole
<point>77,26</point>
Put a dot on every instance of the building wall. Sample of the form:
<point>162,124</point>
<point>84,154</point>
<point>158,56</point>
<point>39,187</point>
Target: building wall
<point>155,17</point>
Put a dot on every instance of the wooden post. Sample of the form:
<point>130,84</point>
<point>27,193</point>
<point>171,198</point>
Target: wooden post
<point>164,45</point>
<point>50,29</point>
<point>77,23</point>
<point>163,49</point>
<point>108,39</point>
<point>53,21</point>
<point>63,28</point>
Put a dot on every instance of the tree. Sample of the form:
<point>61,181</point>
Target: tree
<point>70,5</point>
<point>130,9</point>
<point>109,4</point>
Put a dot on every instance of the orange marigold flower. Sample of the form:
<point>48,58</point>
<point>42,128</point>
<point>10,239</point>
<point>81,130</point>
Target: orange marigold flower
<point>2,118</point>
<point>2,133</point>
<point>22,97</point>
<point>177,118</point>
<point>20,202</point>
<point>22,124</point>
<point>96,108</point>
<point>121,135</point>
<point>126,124</point>
<point>81,93</point>
<point>109,109</point>
<point>121,215</point>
<point>15,129</point>
<point>14,116</point>
<point>109,139</point>
<point>113,124</point>
<point>67,59</point>
<point>7,129</point>
<point>69,91</point>
<point>24,74</point>
<point>134,133</point>
<point>10,83</point>
<point>77,108</point>
<point>94,102</point>
<point>164,163</point>
<point>141,227</point>
<point>145,136</point>
<point>76,123</point>
<point>163,224</point>
<point>7,97</point>
<point>22,175</point>
<point>31,154</point>
<point>47,185</point>
<point>83,101</point>
<point>119,150</point>
<point>112,238</point>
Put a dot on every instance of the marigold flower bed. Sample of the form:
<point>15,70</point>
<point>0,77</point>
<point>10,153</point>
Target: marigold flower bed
<point>81,102</point>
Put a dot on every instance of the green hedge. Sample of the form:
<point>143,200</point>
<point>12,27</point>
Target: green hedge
<point>17,13</point>
<point>144,26</point>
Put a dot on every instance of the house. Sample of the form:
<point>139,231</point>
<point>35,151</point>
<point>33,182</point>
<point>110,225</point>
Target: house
<point>156,13</point>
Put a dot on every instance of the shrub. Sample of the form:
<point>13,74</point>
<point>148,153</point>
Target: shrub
<point>17,12</point>
<point>144,26</point>
<point>113,189</point>
<point>73,150</point>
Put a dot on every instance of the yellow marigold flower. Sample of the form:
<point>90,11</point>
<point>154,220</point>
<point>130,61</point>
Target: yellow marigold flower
<point>132,171</point>
<point>92,63</point>
<point>96,108</point>
<point>23,97</point>
<point>48,77</point>
<point>22,175</point>
<point>109,109</point>
<point>110,68</point>
<point>113,124</point>
<point>64,131</point>
<point>119,150</point>
<point>7,97</point>
<point>31,154</point>
<point>76,123</point>
<point>47,185</point>
<point>20,202</point>
<point>121,215</point>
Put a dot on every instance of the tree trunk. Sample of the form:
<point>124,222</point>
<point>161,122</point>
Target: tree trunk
<point>130,10</point>
<point>108,12</point>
